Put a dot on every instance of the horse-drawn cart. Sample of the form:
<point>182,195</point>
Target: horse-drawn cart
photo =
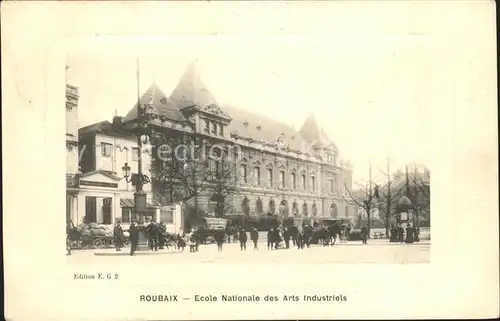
<point>93,236</point>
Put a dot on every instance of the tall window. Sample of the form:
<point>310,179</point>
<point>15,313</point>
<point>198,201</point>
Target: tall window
<point>218,170</point>
<point>106,149</point>
<point>207,126</point>
<point>303,181</point>
<point>294,181</point>
<point>135,154</point>
<point>221,130</point>
<point>332,185</point>
<point>214,128</point>
<point>269,177</point>
<point>243,173</point>
<point>256,173</point>
<point>282,179</point>
<point>313,183</point>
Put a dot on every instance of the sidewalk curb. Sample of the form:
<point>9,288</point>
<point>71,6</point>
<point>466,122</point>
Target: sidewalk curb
<point>135,254</point>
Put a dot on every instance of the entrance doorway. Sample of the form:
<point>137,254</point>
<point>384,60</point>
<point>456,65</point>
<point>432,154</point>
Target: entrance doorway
<point>98,210</point>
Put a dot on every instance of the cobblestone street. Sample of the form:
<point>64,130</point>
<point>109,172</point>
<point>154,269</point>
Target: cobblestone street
<point>377,251</point>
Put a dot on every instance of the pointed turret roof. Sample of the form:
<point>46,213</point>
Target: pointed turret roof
<point>311,131</point>
<point>190,90</point>
<point>163,105</point>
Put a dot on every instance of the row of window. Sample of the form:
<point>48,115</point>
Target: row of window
<point>107,151</point>
<point>214,128</point>
<point>282,179</point>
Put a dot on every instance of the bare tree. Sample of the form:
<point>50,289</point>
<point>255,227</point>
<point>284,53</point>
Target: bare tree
<point>222,185</point>
<point>419,192</point>
<point>184,167</point>
<point>367,198</point>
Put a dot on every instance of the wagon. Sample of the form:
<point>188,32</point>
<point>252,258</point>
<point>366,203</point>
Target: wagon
<point>79,241</point>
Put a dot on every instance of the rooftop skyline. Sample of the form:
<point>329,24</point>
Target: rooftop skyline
<point>370,106</point>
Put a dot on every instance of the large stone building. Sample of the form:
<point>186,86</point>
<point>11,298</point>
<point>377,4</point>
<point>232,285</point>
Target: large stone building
<point>280,170</point>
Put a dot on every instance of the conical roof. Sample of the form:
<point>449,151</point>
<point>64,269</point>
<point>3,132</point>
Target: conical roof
<point>163,105</point>
<point>311,131</point>
<point>190,90</point>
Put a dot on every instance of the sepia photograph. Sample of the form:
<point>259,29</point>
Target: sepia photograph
<point>234,160</point>
<point>159,163</point>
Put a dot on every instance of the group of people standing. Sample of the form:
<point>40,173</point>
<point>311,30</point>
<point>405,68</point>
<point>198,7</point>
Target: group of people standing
<point>404,235</point>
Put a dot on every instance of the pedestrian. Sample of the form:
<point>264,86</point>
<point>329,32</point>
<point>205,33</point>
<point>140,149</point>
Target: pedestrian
<point>118,236</point>
<point>401,232</point>
<point>410,233</point>
<point>300,237</point>
<point>270,235</point>
<point>134,237</point>
<point>197,236</point>
<point>192,242</point>
<point>286,236</point>
<point>162,233</point>
<point>243,239</point>
<point>69,232</point>
<point>151,235</point>
<point>277,238</point>
<point>254,234</point>
<point>364,235</point>
<point>294,231</point>
<point>181,239</point>
<point>219,239</point>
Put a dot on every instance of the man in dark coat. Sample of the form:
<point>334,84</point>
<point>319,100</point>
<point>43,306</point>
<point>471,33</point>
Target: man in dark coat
<point>410,234</point>
<point>286,236</point>
<point>364,235</point>
<point>134,237</point>
<point>162,232</point>
<point>219,239</point>
<point>118,236</point>
<point>393,237</point>
<point>243,239</point>
<point>151,234</point>
<point>270,236</point>
<point>401,232</point>
<point>254,234</point>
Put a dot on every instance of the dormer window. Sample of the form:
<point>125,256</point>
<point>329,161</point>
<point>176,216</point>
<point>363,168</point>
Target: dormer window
<point>259,127</point>
<point>245,123</point>
<point>221,130</point>
<point>214,128</point>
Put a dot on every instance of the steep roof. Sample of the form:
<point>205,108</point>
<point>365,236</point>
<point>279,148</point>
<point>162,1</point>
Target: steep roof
<point>103,127</point>
<point>311,131</point>
<point>163,105</point>
<point>260,127</point>
<point>191,91</point>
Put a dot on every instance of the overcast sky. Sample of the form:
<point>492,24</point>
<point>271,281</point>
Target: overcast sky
<point>368,91</point>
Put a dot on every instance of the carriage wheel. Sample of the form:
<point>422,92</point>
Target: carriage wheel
<point>97,244</point>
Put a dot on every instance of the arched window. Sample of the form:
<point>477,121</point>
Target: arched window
<point>304,209</point>
<point>295,208</point>
<point>284,208</point>
<point>245,208</point>
<point>258,207</point>
<point>314,209</point>
<point>333,210</point>
<point>272,207</point>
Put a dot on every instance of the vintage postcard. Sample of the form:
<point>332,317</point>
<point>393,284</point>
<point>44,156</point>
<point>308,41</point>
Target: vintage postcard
<point>229,160</point>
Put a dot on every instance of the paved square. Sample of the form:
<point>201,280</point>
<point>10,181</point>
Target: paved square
<point>376,251</point>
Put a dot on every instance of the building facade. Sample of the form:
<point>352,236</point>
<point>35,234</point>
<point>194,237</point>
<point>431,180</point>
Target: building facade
<point>279,170</point>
